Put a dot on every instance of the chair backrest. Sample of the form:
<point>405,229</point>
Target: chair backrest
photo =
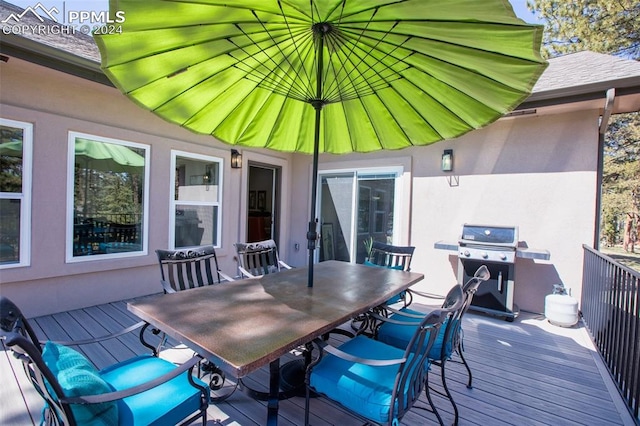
<point>453,325</point>
<point>259,258</point>
<point>21,339</point>
<point>396,257</point>
<point>412,375</point>
<point>185,269</point>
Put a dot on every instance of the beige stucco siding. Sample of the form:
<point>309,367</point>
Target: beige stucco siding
<point>537,172</point>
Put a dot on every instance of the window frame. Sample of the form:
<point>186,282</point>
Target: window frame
<point>172,195</point>
<point>71,151</point>
<point>24,258</point>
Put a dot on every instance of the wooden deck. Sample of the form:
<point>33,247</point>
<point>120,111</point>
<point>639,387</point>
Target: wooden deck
<point>525,373</point>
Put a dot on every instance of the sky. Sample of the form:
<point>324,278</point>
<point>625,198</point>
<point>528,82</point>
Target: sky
<point>519,6</point>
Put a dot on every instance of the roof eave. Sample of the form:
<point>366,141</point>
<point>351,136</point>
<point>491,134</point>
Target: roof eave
<point>587,92</point>
<point>32,51</point>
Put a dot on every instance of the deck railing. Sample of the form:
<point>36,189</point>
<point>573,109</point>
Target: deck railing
<point>611,311</point>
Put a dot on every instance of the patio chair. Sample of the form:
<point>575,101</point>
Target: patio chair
<point>449,338</point>
<point>374,380</point>
<point>139,391</point>
<point>259,258</point>
<point>392,257</point>
<point>187,269</point>
<point>191,268</point>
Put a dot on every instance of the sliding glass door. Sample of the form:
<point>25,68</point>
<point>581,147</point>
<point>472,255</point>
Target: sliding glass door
<point>356,206</point>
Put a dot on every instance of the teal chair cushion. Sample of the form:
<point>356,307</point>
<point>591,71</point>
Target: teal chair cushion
<point>167,404</point>
<point>363,389</point>
<point>399,335</point>
<point>398,297</point>
<point>78,377</point>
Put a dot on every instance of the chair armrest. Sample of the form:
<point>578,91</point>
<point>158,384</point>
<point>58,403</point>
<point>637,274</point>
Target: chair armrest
<point>284,265</point>
<point>426,295</point>
<point>348,357</point>
<point>225,276</point>
<point>246,273</point>
<point>113,396</point>
<point>167,287</point>
<point>101,338</point>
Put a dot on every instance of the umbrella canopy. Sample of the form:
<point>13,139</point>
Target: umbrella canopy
<point>335,76</point>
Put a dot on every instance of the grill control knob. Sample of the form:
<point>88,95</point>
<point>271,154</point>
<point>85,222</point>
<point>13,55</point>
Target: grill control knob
<point>485,255</point>
<point>466,253</point>
<point>503,256</point>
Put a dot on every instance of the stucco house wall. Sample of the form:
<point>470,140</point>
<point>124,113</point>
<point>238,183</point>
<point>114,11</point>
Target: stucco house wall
<point>537,171</point>
<point>57,103</point>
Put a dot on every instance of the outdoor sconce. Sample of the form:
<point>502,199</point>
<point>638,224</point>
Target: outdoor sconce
<point>447,160</point>
<point>236,159</point>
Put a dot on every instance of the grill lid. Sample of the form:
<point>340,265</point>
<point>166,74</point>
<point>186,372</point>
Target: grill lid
<point>489,235</point>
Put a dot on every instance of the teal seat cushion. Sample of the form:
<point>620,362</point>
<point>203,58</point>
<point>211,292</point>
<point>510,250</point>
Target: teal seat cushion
<point>399,335</point>
<point>78,377</point>
<point>167,404</point>
<point>398,297</point>
<point>361,388</point>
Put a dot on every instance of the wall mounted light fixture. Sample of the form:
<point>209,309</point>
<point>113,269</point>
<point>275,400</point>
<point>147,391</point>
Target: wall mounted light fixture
<point>447,160</point>
<point>236,159</point>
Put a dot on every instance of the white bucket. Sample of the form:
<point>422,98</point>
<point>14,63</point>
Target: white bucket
<point>561,310</point>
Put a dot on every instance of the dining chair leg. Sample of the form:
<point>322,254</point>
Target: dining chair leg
<point>306,406</point>
<point>448,394</point>
<point>464,361</point>
<point>433,407</point>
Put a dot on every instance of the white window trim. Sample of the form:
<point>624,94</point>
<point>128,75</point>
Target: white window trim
<point>71,149</point>
<point>25,195</point>
<point>172,194</point>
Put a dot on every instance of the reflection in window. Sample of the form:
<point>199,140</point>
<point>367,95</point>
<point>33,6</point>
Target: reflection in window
<point>196,200</point>
<point>15,192</point>
<point>109,193</point>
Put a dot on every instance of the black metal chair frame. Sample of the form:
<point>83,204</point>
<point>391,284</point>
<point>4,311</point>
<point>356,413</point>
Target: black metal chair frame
<point>453,331</point>
<point>188,269</point>
<point>191,268</point>
<point>412,373</point>
<point>258,258</point>
<point>18,335</point>
<point>385,256</point>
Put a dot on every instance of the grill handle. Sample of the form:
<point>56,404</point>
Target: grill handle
<point>500,281</point>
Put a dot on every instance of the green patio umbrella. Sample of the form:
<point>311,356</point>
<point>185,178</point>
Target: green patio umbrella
<point>332,76</point>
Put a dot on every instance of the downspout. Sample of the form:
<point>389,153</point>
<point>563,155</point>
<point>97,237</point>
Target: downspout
<point>604,124</point>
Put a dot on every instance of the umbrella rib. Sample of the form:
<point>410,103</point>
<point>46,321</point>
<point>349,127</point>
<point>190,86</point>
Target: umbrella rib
<point>294,82</point>
<point>368,85</point>
<point>353,45</point>
<point>295,45</point>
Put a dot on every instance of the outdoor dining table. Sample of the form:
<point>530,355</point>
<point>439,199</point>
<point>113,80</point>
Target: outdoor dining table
<point>250,323</point>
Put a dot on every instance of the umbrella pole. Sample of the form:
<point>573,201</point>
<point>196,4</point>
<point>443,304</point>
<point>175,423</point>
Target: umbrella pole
<point>312,233</point>
<point>319,29</point>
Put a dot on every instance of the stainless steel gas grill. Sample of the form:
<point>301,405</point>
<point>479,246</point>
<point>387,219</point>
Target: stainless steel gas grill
<point>496,247</point>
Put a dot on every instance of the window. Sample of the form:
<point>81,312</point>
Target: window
<point>196,200</point>
<point>359,205</point>
<point>107,198</point>
<point>15,193</point>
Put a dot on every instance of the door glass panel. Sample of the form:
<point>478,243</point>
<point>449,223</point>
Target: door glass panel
<point>375,212</point>
<point>337,217</point>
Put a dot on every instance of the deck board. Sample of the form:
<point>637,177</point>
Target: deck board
<point>525,372</point>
